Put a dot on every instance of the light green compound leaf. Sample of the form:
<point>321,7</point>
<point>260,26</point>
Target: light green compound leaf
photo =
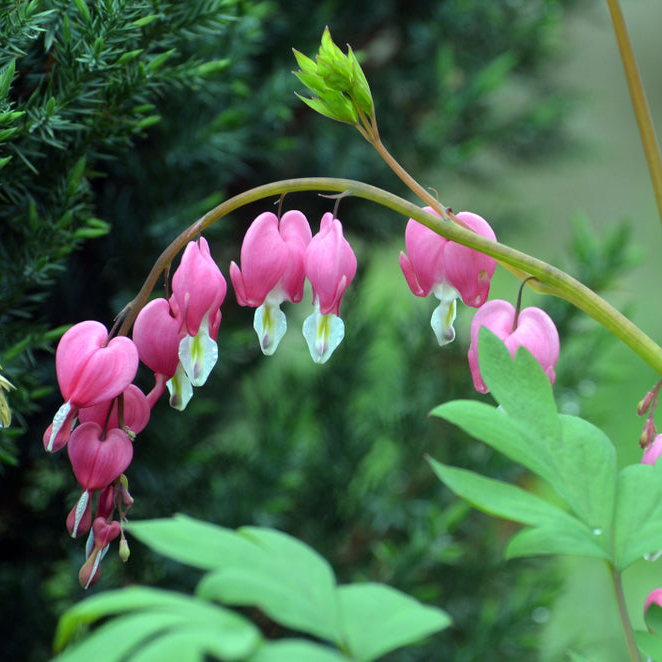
<point>199,544</point>
<point>290,582</point>
<point>569,537</point>
<point>377,619</point>
<point>157,611</point>
<point>502,432</point>
<point>638,515</point>
<point>113,641</point>
<point>586,465</point>
<point>513,503</point>
<point>295,650</point>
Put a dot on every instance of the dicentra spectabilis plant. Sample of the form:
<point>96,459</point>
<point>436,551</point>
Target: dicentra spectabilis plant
<point>598,510</point>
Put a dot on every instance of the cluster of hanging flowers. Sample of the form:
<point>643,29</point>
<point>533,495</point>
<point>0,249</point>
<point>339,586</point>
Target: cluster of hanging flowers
<point>176,338</point>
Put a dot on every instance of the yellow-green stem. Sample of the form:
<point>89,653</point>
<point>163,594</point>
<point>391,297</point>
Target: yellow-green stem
<point>550,279</point>
<point>639,103</point>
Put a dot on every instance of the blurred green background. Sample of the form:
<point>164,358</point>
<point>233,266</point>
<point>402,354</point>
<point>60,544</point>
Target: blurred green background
<point>515,110</point>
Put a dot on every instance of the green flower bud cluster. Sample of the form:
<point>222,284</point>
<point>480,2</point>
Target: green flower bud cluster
<point>337,80</point>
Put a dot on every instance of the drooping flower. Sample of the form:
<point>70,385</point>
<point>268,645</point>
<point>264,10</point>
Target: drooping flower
<point>90,369</point>
<point>157,334</point>
<point>96,463</point>
<point>448,270</point>
<point>272,271</point>
<point>534,329</point>
<point>330,266</point>
<point>198,290</point>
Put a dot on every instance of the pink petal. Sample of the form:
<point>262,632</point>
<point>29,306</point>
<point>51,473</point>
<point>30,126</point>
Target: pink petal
<point>198,286</point>
<point>156,333</point>
<point>98,463</point>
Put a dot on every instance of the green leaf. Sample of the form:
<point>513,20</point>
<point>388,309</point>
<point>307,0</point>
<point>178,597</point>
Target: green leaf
<point>335,113</point>
<point>129,55</point>
<point>76,176</point>
<point>502,432</point>
<point>496,497</point>
<point>554,532</point>
<point>290,582</point>
<point>651,644</point>
<point>157,610</point>
<point>159,60</point>
<point>145,20</point>
<point>295,650</point>
<point>6,77</point>
<point>199,544</point>
<point>638,514</point>
<point>114,640</point>
<point>653,619</point>
<point>586,465</point>
<point>520,386</point>
<point>83,9</point>
<point>568,537</point>
<point>5,161</point>
<point>377,619</point>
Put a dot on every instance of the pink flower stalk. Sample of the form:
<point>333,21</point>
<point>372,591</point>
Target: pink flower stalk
<point>90,370</point>
<point>157,334</point>
<point>198,290</point>
<point>272,271</point>
<point>330,266</point>
<point>96,464</point>
<point>433,264</point>
<point>534,330</point>
<point>651,453</point>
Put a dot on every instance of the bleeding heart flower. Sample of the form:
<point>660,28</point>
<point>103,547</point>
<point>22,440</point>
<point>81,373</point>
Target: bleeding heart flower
<point>272,271</point>
<point>96,462</point>
<point>330,267</point>
<point>448,270</point>
<point>90,370</point>
<point>198,290</point>
<point>533,329</point>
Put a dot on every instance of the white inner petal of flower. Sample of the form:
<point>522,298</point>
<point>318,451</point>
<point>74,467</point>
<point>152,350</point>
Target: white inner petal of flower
<point>198,354</point>
<point>270,324</point>
<point>443,315</point>
<point>323,333</point>
<point>180,389</point>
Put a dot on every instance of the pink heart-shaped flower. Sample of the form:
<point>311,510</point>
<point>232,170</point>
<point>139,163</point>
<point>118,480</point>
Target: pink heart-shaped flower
<point>96,462</point>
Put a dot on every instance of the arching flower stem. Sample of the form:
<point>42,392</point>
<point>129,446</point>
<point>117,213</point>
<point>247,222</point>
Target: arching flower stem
<point>549,279</point>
